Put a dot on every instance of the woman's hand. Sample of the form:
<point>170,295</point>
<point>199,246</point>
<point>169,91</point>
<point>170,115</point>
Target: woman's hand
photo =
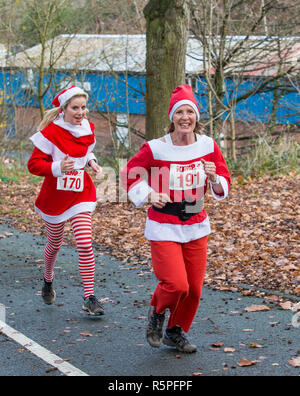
<point>95,167</point>
<point>159,200</point>
<point>67,165</point>
<point>210,170</point>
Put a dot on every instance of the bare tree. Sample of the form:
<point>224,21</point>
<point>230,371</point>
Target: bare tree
<point>45,17</point>
<point>167,29</point>
<point>233,57</point>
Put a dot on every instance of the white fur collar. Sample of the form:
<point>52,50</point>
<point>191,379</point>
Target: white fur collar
<point>77,131</point>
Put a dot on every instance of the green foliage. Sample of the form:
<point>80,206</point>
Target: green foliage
<point>268,157</point>
<point>11,171</point>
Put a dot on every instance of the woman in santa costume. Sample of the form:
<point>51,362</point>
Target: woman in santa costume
<point>63,147</point>
<point>174,172</point>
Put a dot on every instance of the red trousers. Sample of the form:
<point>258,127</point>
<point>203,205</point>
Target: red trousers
<point>180,269</point>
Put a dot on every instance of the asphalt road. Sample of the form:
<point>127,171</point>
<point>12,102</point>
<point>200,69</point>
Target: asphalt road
<point>114,345</point>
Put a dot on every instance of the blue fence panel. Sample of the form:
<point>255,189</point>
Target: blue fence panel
<point>121,93</point>
<point>257,108</point>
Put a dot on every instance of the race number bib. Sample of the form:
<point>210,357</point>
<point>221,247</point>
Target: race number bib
<point>186,177</point>
<point>71,181</point>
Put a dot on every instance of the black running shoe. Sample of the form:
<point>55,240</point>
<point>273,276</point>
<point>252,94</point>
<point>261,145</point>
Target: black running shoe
<point>154,328</point>
<point>174,337</point>
<point>93,306</point>
<point>48,293</point>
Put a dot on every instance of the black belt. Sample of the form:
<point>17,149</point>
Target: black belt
<point>184,209</point>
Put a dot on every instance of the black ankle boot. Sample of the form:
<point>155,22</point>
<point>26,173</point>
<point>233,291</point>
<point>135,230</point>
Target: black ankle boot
<point>175,337</point>
<point>48,293</point>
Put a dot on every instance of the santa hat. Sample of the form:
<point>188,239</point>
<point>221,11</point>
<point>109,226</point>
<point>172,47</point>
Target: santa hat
<point>183,95</point>
<point>66,95</point>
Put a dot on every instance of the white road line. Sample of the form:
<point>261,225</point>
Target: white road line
<point>41,352</point>
<point>2,313</point>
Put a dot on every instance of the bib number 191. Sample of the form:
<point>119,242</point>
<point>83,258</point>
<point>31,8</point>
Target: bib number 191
<point>186,177</point>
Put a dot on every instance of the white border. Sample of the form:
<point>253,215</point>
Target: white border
<point>181,103</point>
<point>64,97</point>
<point>72,211</point>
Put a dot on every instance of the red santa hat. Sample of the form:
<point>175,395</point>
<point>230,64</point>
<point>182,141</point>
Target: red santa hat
<point>66,95</point>
<point>183,95</point>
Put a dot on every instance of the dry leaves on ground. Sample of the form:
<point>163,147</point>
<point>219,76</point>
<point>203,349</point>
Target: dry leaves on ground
<point>254,240</point>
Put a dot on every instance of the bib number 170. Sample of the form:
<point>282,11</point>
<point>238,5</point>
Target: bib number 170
<point>71,181</point>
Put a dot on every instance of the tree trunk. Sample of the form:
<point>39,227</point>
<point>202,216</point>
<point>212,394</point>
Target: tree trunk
<point>232,141</point>
<point>40,82</point>
<point>167,30</point>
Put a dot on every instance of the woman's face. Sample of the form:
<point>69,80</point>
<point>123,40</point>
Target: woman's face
<point>76,110</point>
<point>184,119</point>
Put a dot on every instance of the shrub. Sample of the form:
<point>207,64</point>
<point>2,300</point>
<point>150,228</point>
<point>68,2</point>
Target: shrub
<point>268,157</point>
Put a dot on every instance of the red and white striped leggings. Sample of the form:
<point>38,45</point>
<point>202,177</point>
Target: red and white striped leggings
<point>82,228</point>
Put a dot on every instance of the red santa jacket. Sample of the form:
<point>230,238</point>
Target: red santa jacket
<point>52,144</point>
<point>177,171</point>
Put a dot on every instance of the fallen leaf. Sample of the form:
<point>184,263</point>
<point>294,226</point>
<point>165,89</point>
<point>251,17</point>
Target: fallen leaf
<point>51,369</point>
<point>295,362</point>
<point>257,308</point>
<point>86,334</point>
<point>228,350</point>
<point>244,362</point>
<point>254,345</point>
<point>286,305</point>
<point>218,344</point>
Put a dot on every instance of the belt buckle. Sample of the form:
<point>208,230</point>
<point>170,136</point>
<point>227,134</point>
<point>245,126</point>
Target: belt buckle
<point>183,216</point>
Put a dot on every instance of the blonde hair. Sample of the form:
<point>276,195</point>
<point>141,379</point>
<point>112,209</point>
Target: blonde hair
<point>52,114</point>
